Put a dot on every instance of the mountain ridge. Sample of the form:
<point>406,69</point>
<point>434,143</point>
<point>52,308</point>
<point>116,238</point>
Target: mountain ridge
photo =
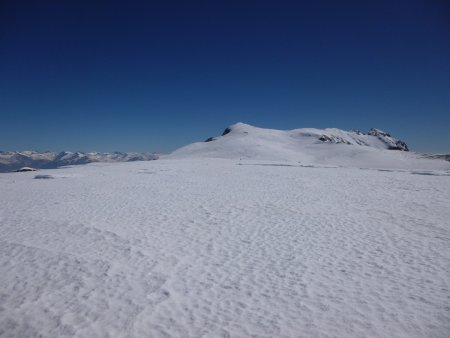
<point>13,160</point>
<point>330,146</point>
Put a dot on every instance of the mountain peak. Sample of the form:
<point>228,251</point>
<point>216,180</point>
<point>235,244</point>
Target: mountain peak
<point>306,145</point>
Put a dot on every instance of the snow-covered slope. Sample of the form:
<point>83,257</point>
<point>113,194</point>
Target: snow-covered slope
<point>310,146</point>
<point>12,160</point>
<point>210,248</point>
<point>252,244</point>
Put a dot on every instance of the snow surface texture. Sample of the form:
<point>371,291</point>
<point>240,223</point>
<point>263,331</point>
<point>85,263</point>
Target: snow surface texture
<point>310,146</point>
<point>13,160</point>
<point>256,233</point>
<point>225,248</point>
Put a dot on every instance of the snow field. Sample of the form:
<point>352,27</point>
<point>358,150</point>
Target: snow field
<point>211,248</point>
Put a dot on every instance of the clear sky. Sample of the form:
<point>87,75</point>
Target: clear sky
<point>156,75</point>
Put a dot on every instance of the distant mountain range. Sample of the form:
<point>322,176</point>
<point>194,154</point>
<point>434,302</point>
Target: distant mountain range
<point>439,157</point>
<point>331,146</point>
<point>13,160</point>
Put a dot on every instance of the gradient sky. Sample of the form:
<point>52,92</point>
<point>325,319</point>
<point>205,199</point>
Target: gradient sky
<point>156,75</point>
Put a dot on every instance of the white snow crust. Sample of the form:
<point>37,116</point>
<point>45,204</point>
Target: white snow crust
<point>204,247</point>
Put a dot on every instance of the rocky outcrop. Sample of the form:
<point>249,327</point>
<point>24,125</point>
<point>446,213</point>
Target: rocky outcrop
<point>24,169</point>
<point>391,142</point>
<point>332,139</point>
<point>226,131</point>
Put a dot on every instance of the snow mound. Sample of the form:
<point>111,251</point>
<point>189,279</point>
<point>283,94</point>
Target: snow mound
<point>330,146</point>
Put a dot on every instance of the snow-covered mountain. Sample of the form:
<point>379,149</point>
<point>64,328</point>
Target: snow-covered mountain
<point>12,160</point>
<point>331,146</point>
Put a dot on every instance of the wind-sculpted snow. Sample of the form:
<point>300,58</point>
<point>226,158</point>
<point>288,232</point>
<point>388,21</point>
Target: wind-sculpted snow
<point>310,146</point>
<point>224,248</point>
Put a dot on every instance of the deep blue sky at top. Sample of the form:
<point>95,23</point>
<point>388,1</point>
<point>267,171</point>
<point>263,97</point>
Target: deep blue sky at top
<point>155,75</point>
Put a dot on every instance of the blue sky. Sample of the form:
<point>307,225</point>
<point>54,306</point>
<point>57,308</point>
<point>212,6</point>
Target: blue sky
<point>153,76</point>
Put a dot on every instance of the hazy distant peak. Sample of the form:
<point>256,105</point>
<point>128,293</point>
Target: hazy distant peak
<point>13,160</point>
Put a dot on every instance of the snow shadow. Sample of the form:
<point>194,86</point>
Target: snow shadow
<point>288,165</point>
<point>429,173</point>
<point>43,177</point>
